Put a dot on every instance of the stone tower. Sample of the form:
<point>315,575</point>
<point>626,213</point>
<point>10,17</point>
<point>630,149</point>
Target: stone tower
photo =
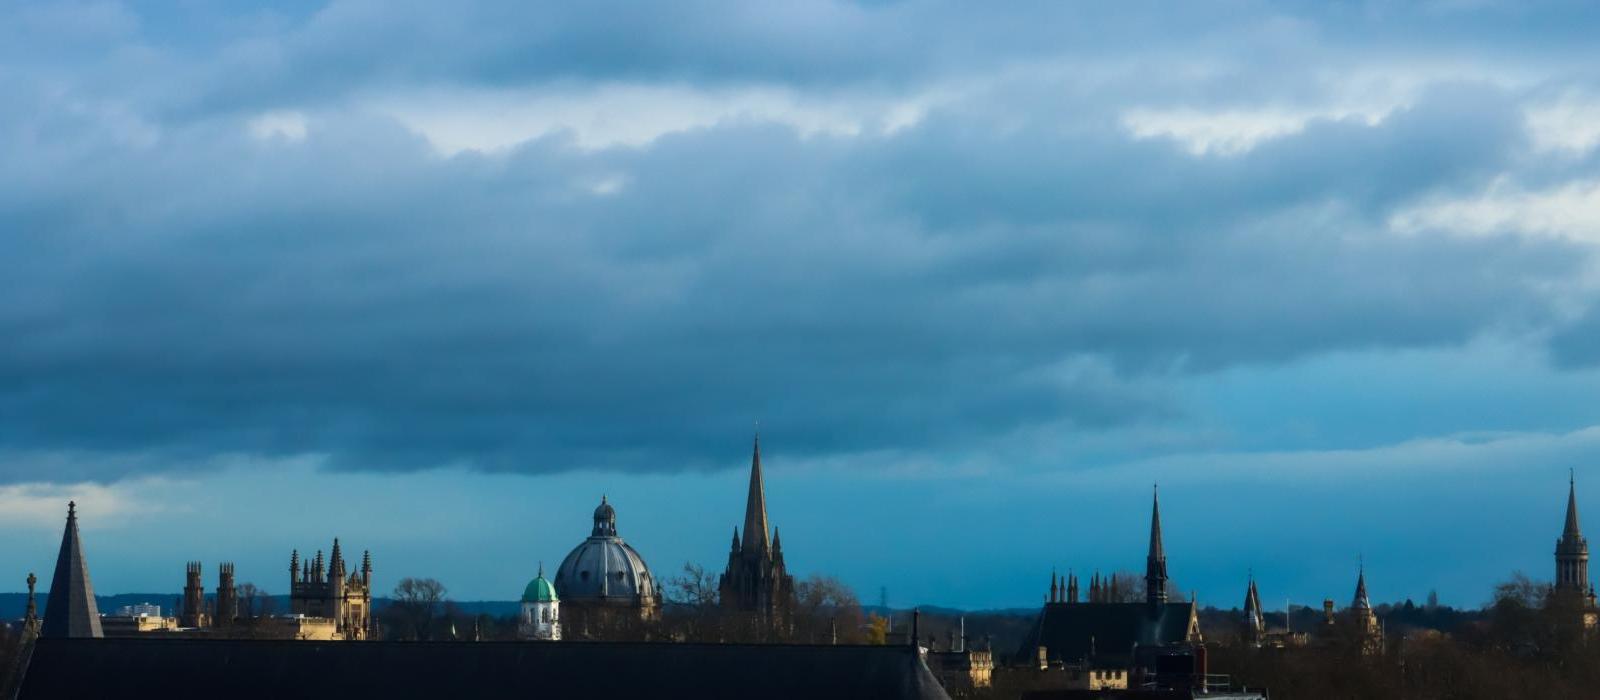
<point>756,579</point>
<point>194,598</point>
<point>1572,552</point>
<point>1155,568</point>
<point>227,596</point>
<point>70,610</point>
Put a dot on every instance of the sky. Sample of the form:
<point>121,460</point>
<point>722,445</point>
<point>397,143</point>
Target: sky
<point>434,277</point>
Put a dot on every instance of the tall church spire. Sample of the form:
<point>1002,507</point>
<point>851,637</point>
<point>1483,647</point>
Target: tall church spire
<point>1571,528</point>
<point>1572,550</point>
<point>1361,602</point>
<point>1155,572</point>
<point>755,507</point>
<point>70,610</point>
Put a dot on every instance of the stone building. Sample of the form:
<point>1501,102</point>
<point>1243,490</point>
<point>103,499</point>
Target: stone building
<point>1105,633</point>
<point>194,614</point>
<point>756,580</point>
<point>605,585</point>
<point>325,591</point>
<point>541,610</point>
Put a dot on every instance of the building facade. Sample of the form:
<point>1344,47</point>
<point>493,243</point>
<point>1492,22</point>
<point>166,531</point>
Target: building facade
<point>756,580</point>
<point>325,590</point>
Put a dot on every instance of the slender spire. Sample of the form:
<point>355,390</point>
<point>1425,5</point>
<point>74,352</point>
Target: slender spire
<point>1572,551</point>
<point>1155,572</point>
<point>1361,602</point>
<point>1055,596</point>
<point>755,507</point>
<point>70,610</point>
<point>1571,529</point>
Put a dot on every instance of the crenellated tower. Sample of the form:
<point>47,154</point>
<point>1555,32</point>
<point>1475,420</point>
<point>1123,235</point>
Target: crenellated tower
<point>227,604</point>
<point>194,598</point>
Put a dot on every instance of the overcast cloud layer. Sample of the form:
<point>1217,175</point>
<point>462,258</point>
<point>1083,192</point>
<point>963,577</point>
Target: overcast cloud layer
<point>908,238</point>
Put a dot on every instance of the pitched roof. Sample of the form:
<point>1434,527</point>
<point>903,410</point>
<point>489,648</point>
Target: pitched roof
<point>1076,631</point>
<point>69,611</point>
<point>241,669</point>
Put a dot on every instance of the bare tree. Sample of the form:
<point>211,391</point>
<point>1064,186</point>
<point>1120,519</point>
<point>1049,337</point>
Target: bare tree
<point>415,604</point>
<point>826,609</point>
<point>694,586</point>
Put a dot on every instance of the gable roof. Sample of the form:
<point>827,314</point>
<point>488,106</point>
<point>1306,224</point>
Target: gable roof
<point>1078,631</point>
<point>241,669</point>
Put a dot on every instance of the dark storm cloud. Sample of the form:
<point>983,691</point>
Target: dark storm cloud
<point>175,286</point>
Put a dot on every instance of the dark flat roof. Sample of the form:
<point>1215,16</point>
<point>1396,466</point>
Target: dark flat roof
<point>242,669</point>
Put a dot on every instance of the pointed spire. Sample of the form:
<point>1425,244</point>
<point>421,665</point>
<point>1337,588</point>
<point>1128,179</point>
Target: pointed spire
<point>1055,592</point>
<point>70,610</point>
<point>335,562</point>
<point>1155,572</point>
<point>1361,602</point>
<point>755,507</point>
<point>1571,530</point>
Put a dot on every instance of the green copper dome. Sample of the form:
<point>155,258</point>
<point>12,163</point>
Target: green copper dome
<point>540,590</point>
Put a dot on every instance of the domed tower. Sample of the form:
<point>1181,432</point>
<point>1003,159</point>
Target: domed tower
<point>604,581</point>
<point>541,610</point>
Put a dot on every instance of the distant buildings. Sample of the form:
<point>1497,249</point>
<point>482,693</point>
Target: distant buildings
<point>1104,641</point>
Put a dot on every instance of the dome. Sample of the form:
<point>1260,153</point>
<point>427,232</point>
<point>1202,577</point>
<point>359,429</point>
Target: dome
<point>540,590</point>
<point>604,568</point>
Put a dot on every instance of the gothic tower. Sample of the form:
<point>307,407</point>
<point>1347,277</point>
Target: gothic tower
<point>756,579</point>
<point>1572,550</point>
<point>194,598</point>
<point>70,610</point>
<point>227,596</point>
<point>1155,567</point>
